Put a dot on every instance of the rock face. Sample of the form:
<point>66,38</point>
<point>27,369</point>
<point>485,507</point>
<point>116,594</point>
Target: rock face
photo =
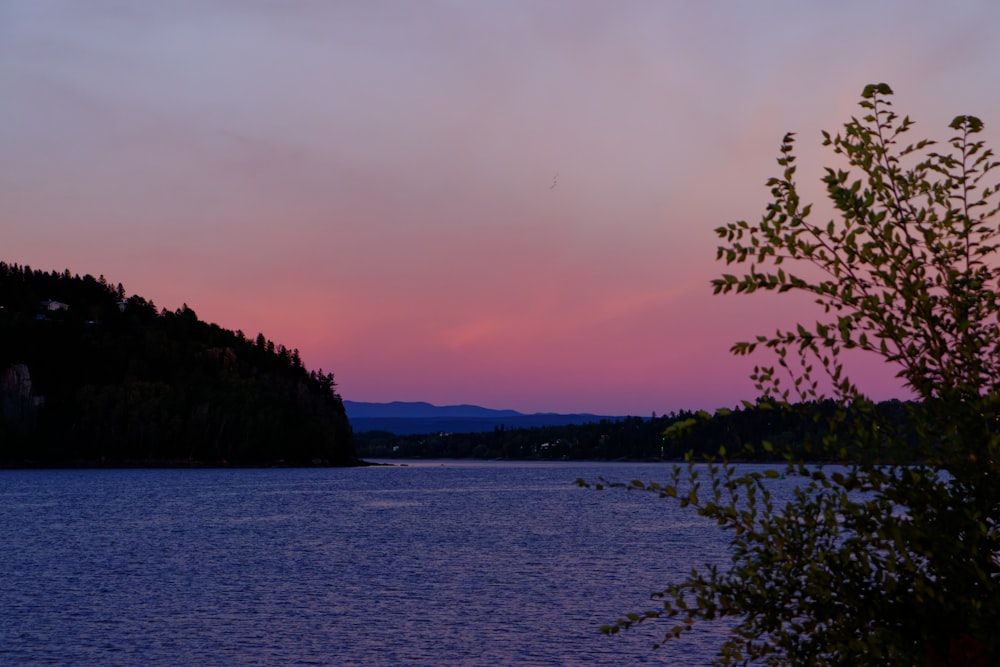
<point>16,400</point>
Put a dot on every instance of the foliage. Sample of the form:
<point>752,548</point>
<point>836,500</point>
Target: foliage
<point>801,429</point>
<point>872,563</point>
<point>98,379</point>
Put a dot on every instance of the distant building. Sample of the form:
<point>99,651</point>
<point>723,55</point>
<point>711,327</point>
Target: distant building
<point>52,306</point>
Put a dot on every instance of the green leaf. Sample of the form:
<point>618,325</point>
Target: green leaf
<point>845,566</point>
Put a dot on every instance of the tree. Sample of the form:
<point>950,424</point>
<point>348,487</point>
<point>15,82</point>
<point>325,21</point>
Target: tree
<point>881,561</point>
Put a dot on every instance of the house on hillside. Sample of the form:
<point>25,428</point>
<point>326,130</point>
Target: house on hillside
<point>53,306</point>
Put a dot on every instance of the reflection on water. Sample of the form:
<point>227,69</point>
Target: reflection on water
<point>450,563</point>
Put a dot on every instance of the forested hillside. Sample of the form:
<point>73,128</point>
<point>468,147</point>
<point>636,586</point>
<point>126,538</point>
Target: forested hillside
<point>90,377</point>
<point>797,428</point>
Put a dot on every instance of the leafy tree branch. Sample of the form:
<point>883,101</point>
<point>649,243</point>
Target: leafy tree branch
<point>876,562</point>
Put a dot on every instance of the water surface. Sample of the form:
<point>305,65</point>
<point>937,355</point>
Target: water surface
<point>435,563</point>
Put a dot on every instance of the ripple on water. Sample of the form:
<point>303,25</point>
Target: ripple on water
<point>455,564</point>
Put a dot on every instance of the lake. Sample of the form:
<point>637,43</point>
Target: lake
<point>431,563</point>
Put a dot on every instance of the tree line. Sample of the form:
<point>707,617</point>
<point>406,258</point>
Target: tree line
<point>799,429</point>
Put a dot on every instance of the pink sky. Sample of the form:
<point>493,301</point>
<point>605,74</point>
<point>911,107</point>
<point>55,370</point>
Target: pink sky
<point>371,182</point>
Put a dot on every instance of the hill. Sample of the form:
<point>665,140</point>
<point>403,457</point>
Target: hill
<point>412,418</point>
<point>90,377</point>
<point>788,428</point>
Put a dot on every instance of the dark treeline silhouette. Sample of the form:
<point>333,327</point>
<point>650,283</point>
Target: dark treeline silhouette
<point>90,377</point>
<point>799,429</point>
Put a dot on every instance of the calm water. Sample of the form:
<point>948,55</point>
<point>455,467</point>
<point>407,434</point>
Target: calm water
<point>444,563</point>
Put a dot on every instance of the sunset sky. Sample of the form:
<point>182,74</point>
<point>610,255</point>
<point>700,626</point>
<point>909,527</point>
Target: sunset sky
<point>501,202</point>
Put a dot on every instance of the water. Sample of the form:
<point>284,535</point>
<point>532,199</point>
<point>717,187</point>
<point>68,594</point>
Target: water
<point>444,563</point>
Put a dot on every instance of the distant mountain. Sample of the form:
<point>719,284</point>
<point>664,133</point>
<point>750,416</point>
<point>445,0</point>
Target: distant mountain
<point>420,410</point>
<point>412,418</point>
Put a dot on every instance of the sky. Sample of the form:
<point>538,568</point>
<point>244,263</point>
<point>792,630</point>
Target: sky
<point>507,203</point>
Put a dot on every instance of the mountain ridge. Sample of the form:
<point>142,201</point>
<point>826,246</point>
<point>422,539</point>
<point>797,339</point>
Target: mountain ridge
<point>420,410</point>
<point>417,417</point>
